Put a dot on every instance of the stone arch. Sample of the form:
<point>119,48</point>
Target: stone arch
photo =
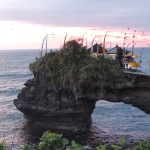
<point>55,107</point>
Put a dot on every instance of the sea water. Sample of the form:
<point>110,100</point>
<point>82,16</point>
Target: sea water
<point>110,121</point>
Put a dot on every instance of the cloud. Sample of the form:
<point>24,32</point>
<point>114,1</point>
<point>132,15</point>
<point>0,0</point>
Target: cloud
<point>96,13</point>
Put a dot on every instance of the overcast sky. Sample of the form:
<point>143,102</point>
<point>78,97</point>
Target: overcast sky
<point>91,13</point>
<point>113,14</point>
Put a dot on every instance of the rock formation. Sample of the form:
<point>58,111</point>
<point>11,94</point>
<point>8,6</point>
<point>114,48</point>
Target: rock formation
<point>136,92</point>
<point>67,84</point>
<point>54,107</point>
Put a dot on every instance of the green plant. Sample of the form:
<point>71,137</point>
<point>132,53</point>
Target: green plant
<point>122,142</point>
<point>3,146</point>
<point>101,147</point>
<point>75,146</point>
<point>120,145</point>
<point>142,145</point>
<point>52,141</point>
<point>27,147</point>
<point>74,67</point>
<point>116,147</point>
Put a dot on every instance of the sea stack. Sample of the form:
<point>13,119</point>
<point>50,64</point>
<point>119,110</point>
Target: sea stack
<point>66,85</point>
<point>54,107</point>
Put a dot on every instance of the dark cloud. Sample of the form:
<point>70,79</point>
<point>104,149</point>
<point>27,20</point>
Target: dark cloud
<point>95,13</point>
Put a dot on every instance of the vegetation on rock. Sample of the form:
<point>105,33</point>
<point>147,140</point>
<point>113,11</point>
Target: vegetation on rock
<point>73,66</point>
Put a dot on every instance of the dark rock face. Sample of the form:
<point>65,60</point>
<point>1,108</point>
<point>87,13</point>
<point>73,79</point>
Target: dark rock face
<point>137,93</point>
<point>54,107</point>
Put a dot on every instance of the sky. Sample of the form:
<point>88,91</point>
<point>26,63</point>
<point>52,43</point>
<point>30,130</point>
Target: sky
<point>24,24</point>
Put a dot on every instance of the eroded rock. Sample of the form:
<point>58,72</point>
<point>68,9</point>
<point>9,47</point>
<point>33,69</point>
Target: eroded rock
<point>137,93</point>
<point>54,107</point>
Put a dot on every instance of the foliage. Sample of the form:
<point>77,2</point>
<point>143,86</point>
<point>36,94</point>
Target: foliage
<point>3,146</point>
<point>117,147</point>
<point>73,66</point>
<point>143,145</point>
<point>52,141</point>
<point>27,147</point>
<point>120,145</point>
<point>75,146</point>
<point>122,142</point>
<point>101,147</point>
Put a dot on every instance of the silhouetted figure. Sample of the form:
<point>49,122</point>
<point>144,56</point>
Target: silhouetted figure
<point>119,56</point>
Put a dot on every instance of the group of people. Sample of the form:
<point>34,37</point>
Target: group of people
<point>122,57</point>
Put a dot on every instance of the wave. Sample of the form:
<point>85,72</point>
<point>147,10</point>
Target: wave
<point>10,92</point>
<point>16,74</point>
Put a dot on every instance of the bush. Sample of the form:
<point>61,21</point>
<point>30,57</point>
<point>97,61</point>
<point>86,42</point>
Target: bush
<point>54,141</point>
<point>74,67</point>
<point>143,145</point>
<point>75,146</point>
<point>3,146</point>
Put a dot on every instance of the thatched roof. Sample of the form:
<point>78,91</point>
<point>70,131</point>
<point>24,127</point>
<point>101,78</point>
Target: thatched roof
<point>97,49</point>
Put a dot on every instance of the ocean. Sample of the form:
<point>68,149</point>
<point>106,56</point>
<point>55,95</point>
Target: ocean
<point>110,121</point>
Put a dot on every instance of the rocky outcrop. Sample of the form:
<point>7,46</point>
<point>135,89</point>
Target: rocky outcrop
<point>136,93</point>
<point>54,107</point>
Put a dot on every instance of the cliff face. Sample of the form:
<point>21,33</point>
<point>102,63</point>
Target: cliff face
<point>54,107</point>
<point>136,93</point>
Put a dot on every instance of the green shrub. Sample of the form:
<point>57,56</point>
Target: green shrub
<point>75,146</point>
<point>52,141</point>
<point>28,147</point>
<point>143,145</point>
<point>101,147</point>
<point>73,66</point>
<point>3,146</point>
<point>120,145</point>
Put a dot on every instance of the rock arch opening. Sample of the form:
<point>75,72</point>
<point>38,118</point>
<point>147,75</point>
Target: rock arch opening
<point>110,121</point>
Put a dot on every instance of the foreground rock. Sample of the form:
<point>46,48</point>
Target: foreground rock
<point>54,107</point>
